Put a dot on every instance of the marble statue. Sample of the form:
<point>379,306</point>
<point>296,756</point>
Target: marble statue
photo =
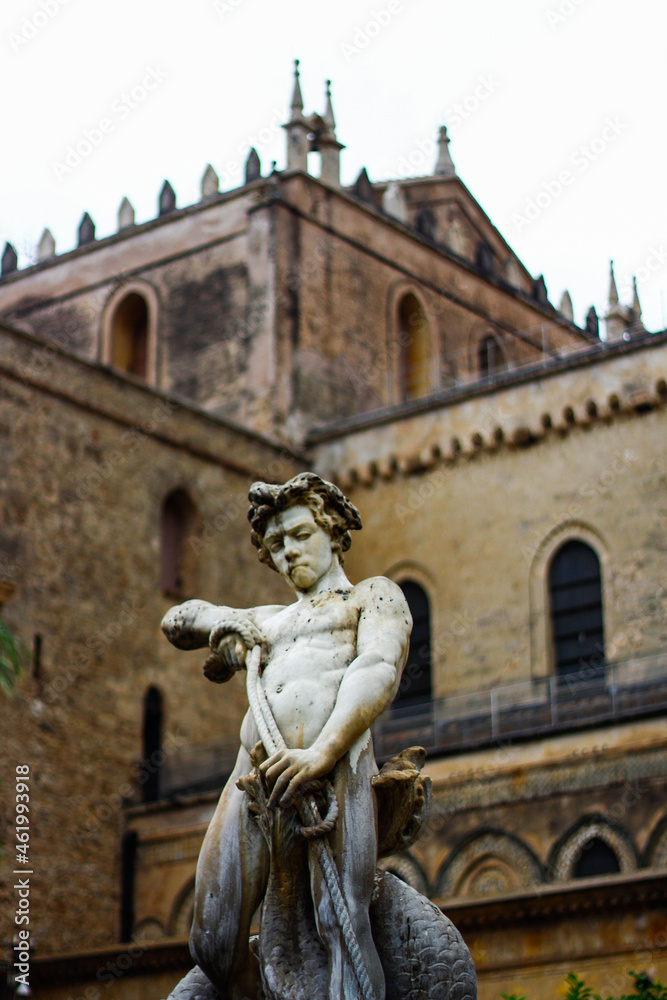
<point>305,815</point>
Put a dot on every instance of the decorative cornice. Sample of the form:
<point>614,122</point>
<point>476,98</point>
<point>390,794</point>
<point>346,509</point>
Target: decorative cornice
<point>546,903</point>
<point>445,456</point>
<point>597,771</point>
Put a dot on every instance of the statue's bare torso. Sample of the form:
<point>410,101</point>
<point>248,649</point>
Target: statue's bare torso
<point>311,644</point>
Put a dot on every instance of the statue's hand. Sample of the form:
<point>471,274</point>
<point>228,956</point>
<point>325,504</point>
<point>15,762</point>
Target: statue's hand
<point>229,648</point>
<point>227,657</point>
<point>288,770</point>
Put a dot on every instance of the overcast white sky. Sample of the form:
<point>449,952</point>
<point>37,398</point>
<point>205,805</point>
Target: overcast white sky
<point>546,86</point>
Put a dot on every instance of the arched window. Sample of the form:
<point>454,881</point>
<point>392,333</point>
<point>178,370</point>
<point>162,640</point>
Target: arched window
<point>152,744</point>
<point>129,336</point>
<point>596,857</point>
<point>176,555</point>
<point>415,354</point>
<point>415,689</point>
<point>490,357</point>
<point>575,589</point>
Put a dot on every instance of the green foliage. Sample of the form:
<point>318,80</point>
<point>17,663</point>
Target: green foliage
<point>645,989</point>
<point>13,657</point>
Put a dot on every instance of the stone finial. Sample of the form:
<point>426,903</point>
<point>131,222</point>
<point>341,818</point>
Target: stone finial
<point>444,166</point>
<point>46,248</point>
<point>328,116</point>
<point>565,307</point>
<point>636,305</point>
<point>613,290</point>
<point>393,202</point>
<point>512,273</point>
<point>125,214</point>
<point>619,317</point>
<point>362,187</point>
<point>210,183</point>
<point>253,167</point>
<point>167,199</point>
<point>592,322</point>
<point>10,260</point>
<point>297,129</point>
<point>326,142</point>
<point>86,230</point>
<point>540,293</point>
<point>635,324</point>
<point>297,98</point>
<point>455,238</point>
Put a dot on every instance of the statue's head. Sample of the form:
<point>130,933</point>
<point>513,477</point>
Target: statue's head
<point>307,511</point>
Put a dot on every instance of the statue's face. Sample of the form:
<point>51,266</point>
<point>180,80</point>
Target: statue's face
<point>301,550</point>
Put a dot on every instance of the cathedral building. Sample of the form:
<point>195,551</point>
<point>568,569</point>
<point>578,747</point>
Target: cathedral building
<point>511,475</point>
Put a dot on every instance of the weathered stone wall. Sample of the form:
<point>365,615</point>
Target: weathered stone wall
<point>196,263</point>
<point>476,526</point>
<point>277,304</point>
<point>87,459</point>
<point>343,269</point>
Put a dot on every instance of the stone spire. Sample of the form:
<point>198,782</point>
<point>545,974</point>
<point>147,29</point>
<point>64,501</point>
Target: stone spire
<point>636,305</point>
<point>326,142</point>
<point>618,317</point>
<point>635,325</point>
<point>297,129</point>
<point>613,290</point>
<point>46,248</point>
<point>253,166</point>
<point>565,307</point>
<point>328,116</point>
<point>210,183</point>
<point>445,165</point>
<point>167,201</point>
<point>10,260</point>
<point>86,230</point>
<point>297,96</point>
<point>125,214</point>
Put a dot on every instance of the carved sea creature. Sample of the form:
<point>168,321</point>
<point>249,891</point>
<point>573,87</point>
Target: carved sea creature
<point>422,953</point>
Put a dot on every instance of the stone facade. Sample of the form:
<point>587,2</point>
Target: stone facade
<point>89,459</point>
<point>293,324</point>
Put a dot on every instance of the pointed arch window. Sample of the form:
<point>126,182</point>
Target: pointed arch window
<point>415,689</point>
<point>490,357</point>
<point>177,525</point>
<point>415,350</point>
<point>129,336</point>
<point>152,744</point>
<point>596,857</point>
<point>575,590</point>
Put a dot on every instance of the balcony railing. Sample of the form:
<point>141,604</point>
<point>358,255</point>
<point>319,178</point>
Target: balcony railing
<point>517,711</point>
<point>532,708</point>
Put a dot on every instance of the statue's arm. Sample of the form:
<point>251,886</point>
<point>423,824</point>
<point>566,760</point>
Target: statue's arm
<point>189,625</point>
<point>368,687</point>
<point>371,681</point>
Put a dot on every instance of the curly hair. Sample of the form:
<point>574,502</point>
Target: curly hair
<point>331,510</point>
